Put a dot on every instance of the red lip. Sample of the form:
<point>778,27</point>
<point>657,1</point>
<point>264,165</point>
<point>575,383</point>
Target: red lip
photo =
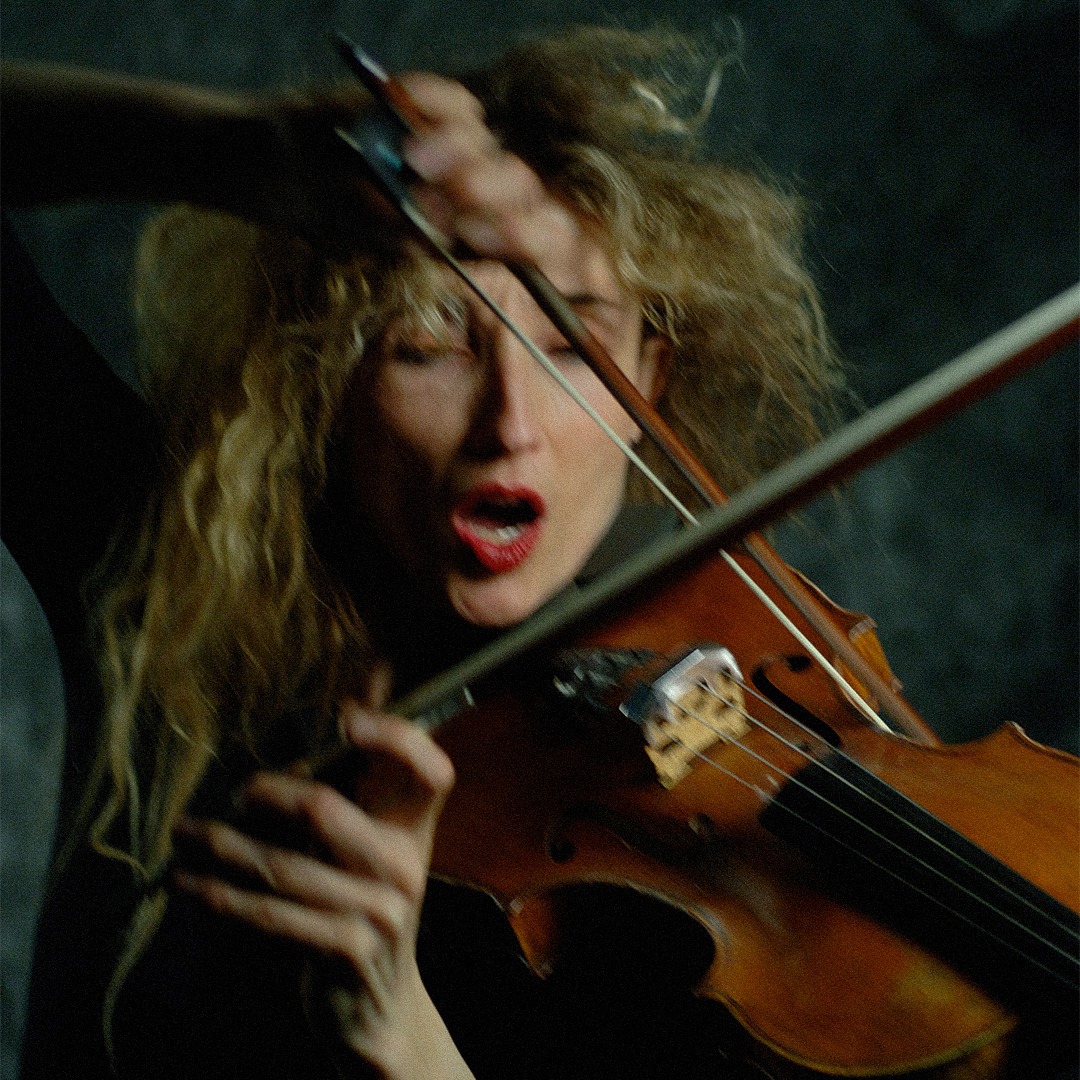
<point>500,525</point>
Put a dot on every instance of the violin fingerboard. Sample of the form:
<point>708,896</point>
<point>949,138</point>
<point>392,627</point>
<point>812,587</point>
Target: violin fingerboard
<point>908,868</point>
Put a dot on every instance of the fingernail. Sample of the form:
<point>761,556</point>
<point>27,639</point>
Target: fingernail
<point>428,159</point>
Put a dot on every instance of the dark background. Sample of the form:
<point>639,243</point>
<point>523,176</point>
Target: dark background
<point>935,141</point>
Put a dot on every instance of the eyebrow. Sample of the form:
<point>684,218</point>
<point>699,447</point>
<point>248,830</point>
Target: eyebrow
<point>592,300</point>
<point>602,306</point>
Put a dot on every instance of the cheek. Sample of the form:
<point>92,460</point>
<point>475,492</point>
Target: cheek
<point>594,469</point>
<point>588,432</point>
<point>419,414</point>
<point>394,451</point>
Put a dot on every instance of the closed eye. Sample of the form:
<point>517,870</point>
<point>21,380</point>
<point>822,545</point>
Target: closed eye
<point>419,357</point>
<point>562,353</point>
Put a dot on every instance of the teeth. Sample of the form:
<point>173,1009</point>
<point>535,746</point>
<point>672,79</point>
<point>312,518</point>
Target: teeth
<point>505,534</point>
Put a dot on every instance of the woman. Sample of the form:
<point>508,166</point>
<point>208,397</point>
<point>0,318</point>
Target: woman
<point>353,476</point>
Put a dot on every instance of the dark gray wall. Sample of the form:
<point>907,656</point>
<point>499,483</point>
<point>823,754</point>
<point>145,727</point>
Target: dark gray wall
<point>935,140</point>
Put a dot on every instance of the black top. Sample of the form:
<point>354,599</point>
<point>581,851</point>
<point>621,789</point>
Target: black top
<point>211,998</point>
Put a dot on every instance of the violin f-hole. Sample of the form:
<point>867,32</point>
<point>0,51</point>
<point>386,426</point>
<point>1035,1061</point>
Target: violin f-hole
<point>797,664</point>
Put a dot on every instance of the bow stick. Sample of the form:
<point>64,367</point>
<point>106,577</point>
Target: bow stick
<point>377,139</point>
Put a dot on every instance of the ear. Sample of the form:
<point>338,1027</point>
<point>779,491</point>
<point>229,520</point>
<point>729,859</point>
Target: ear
<point>657,356</point>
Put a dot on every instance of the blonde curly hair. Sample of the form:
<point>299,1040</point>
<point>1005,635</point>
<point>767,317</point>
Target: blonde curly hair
<point>226,621</point>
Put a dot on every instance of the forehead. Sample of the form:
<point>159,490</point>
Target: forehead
<point>438,298</point>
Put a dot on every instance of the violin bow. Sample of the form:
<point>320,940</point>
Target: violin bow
<point>377,138</point>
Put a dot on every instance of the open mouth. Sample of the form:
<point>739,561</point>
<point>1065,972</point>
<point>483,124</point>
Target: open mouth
<point>499,525</point>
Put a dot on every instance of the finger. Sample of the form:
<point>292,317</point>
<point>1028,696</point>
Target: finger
<point>350,837</point>
<point>440,152</point>
<point>499,208</point>
<point>493,203</point>
<point>409,776</point>
<point>500,186</point>
<point>298,876</point>
<point>361,936</point>
<point>378,688</point>
<point>454,133</point>
<point>475,191</point>
<point>491,223</point>
<point>441,100</point>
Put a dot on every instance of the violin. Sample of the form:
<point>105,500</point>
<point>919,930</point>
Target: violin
<point>863,899</point>
<point>806,850</point>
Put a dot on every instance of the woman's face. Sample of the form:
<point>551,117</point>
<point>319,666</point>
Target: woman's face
<point>489,484</point>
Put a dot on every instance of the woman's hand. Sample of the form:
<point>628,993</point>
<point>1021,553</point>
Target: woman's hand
<point>302,176</point>
<point>476,193</point>
<point>352,895</point>
<point>471,188</point>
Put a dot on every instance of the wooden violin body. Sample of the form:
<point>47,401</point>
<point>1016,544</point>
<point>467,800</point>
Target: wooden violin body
<point>555,800</point>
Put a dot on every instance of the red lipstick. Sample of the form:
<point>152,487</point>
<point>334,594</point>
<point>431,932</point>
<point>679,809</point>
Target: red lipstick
<point>500,525</point>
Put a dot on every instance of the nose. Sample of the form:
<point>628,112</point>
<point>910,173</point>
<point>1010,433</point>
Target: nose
<point>508,417</point>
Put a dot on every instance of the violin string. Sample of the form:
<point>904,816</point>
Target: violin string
<point>932,897</point>
<point>856,698</point>
<point>717,767</point>
<point>883,806</point>
<point>809,758</point>
<point>849,691</point>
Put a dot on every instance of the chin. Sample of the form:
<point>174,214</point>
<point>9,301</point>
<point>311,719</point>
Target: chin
<point>496,602</point>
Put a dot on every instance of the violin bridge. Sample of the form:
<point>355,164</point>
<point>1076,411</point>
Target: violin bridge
<point>687,710</point>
